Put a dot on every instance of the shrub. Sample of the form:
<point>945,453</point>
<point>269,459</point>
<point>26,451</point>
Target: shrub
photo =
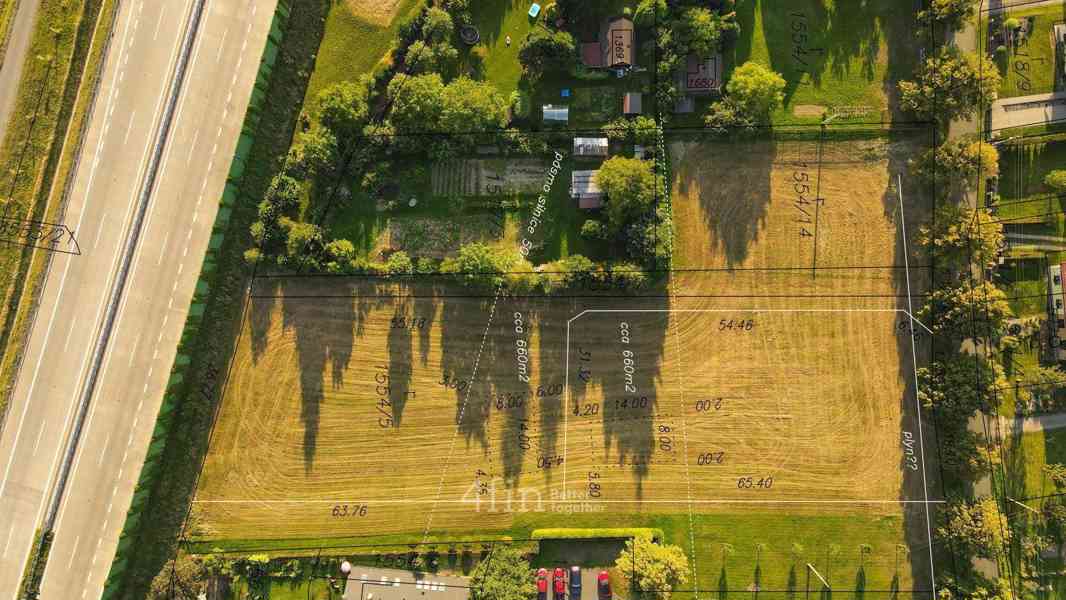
<point>1056,180</point>
<point>569,533</point>
<point>593,230</point>
<point>399,263</point>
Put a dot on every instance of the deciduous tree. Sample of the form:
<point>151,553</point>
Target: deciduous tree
<point>655,569</point>
<point>629,184</point>
<point>977,528</point>
<point>960,236</point>
<point>950,85</point>
<point>756,89</point>
<point>966,311</point>
<point>506,575</point>
<point>546,50</point>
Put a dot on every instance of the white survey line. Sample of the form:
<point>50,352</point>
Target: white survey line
<point>917,403</point>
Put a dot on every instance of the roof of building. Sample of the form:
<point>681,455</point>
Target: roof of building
<point>555,113</point>
<point>583,183</point>
<point>701,75</point>
<point>618,42</point>
<point>592,54</point>
<point>587,146</point>
<point>632,103</point>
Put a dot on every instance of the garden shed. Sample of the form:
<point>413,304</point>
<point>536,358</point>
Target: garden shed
<point>585,190</point>
<point>590,146</point>
<point>555,114</point>
<point>632,103</point>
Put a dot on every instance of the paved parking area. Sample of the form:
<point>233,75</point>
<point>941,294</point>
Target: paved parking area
<point>372,583</point>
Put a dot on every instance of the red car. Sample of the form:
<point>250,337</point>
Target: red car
<point>560,583</point>
<point>542,584</point>
<point>603,586</point>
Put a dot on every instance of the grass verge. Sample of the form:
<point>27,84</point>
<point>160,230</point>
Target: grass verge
<point>7,16</point>
<point>46,148</point>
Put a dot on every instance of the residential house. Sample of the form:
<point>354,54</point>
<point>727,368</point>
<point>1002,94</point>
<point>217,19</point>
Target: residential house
<point>615,48</point>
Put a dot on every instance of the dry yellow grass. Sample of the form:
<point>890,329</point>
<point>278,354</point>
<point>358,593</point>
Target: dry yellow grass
<point>377,12</point>
<point>815,394</point>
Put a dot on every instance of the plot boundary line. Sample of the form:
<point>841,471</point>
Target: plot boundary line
<point>914,371</point>
<point>678,501</point>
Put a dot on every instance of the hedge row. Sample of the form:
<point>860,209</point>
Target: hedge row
<point>150,471</point>
<point>563,533</point>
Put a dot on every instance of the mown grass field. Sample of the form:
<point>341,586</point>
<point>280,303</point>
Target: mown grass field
<point>350,410</point>
<point>831,53</point>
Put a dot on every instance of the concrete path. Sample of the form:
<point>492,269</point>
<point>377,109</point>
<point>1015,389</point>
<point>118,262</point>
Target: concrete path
<point>14,58</point>
<point>1033,424</point>
<point>1022,111</point>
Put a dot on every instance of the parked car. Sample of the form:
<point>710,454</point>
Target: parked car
<point>575,583</point>
<point>603,586</point>
<point>542,584</point>
<point>560,584</point>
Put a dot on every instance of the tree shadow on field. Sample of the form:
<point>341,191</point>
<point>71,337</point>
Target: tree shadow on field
<point>854,32</point>
<point>462,326</point>
<point>732,184</point>
<point>631,436</point>
<point>398,346</point>
<point>507,394</point>
<point>261,309</point>
<point>800,65</point>
<point>323,332</point>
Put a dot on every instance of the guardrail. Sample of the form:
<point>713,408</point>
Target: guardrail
<point>176,385</point>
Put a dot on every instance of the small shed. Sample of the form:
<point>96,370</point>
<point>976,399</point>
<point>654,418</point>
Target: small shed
<point>632,103</point>
<point>585,190</point>
<point>590,147</point>
<point>555,114</point>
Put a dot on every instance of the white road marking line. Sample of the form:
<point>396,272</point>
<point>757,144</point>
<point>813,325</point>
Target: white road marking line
<point>192,146</point>
<point>38,442</point>
<point>221,44</point>
<point>182,265</point>
<point>162,11</point>
<point>185,251</point>
<point>133,353</point>
<point>190,235</point>
<point>73,322</point>
<point>129,128</point>
<point>92,414</point>
<point>155,354</point>
<point>213,150</point>
<point>48,334</point>
<point>99,230</point>
<point>195,215</point>
<point>165,317</point>
<point>73,552</point>
<point>8,543</point>
<point>104,450</point>
<point>163,250</point>
<point>145,389</point>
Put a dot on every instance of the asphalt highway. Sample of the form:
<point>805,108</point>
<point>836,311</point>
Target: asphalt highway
<point>166,264</point>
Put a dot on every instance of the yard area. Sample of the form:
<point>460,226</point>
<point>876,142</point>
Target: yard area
<point>460,202</point>
<point>358,35</point>
<point>1032,64</point>
<point>837,56</point>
